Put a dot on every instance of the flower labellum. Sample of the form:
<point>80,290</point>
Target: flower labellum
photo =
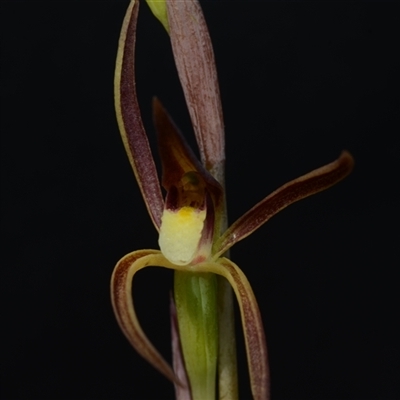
<point>180,234</point>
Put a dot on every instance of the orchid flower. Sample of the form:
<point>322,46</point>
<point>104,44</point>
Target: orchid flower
<point>191,220</point>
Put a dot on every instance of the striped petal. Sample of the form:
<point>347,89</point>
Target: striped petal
<point>308,184</point>
<point>121,296</point>
<point>129,118</point>
<point>256,348</point>
<point>122,302</point>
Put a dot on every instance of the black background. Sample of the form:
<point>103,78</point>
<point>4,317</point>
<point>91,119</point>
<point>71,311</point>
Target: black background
<point>299,83</point>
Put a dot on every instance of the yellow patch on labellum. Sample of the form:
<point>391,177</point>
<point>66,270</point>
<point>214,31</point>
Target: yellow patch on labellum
<point>180,234</point>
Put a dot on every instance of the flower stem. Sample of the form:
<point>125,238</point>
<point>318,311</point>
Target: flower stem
<point>196,305</point>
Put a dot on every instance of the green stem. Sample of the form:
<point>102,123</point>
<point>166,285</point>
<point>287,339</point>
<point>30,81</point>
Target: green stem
<point>196,306</point>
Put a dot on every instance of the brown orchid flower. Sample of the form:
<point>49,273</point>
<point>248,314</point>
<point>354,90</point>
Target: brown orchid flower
<point>191,220</point>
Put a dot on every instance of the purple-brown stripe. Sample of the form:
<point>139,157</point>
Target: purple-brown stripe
<point>313,182</point>
<point>141,157</point>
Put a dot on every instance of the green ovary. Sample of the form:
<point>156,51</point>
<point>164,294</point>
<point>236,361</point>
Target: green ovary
<point>196,304</point>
